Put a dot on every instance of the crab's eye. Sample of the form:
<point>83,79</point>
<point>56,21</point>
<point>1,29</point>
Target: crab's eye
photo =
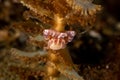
<point>48,33</point>
<point>71,35</point>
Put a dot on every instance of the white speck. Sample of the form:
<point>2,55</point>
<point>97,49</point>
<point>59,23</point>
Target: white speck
<point>95,34</point>
<point>107,66</point>
<point>118,25</point>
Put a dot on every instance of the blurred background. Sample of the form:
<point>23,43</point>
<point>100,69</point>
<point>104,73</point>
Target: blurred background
<point>97,52</point>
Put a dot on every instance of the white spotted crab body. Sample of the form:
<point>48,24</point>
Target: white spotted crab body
<point>57,40</point>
